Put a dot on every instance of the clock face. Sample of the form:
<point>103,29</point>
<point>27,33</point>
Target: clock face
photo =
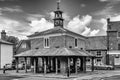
<point>56,22</point>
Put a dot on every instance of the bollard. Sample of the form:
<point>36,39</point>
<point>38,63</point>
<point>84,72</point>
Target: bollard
<point>4,69</point>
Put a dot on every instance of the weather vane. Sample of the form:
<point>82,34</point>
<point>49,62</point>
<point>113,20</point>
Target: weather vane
<point>58,4</point>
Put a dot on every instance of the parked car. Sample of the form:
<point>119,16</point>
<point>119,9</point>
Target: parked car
<point>9,66</point>
<point>21,66</point>
<point>103,67</point>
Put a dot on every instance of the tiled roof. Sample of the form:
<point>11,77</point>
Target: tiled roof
<point>5,42</point>
<point>53,31</point>
<point>54,52</point>
<point>97,42</point>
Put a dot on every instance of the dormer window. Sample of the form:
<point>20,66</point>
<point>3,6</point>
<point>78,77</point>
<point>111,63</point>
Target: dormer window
<point>46,42</point>
<point>24,45</point>
<point>76,42</point>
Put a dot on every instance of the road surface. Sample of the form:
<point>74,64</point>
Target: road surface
<point>5,77</point>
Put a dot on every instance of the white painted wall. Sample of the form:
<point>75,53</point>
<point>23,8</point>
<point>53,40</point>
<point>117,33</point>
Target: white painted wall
<point>6,54</point>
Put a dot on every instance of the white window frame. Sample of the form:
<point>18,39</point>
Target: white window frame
<point>46,42</point>
<point>76,42</point>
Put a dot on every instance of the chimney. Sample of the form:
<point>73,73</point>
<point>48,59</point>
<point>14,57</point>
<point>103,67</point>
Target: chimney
<point>3,35</point>
<point>108,20</point>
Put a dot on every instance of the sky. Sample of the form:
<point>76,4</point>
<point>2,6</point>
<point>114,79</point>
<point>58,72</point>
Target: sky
<point>21,18</point>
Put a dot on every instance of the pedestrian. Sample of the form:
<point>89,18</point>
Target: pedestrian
<point>68,72</point>
<point>4,69</point>
<point>32,68</point>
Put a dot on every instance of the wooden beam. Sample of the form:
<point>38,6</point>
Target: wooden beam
<point>76,70</point>
<point>92,64</point>
<point>45,66</point>
<point>84,64</point>
<point>34,65</point>
<point>56,61</point>
<point>25,64</point>
<point>16,59</point>
<point>69,64</point>
<point>51,63</point>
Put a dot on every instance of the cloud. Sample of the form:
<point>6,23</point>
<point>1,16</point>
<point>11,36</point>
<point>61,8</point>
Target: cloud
<point>8,0</point>
<point>83,5</point>
<point>103,21</point>
<point>115,18</point>
<point>80,25</point>
<point>40,25</point>
<point>109,9</point>
<point>14,27</point>
<point>94,32</point>
<point>86,31</point>
<point>104,24</point>
<point>31,17</point>
<point>103,0</point>
<point>106,12</point>
<point>11,9</point>
<point>77,24</point>
<point>109,0</point>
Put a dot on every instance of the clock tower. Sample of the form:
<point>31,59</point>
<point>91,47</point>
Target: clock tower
<point>58,20</point>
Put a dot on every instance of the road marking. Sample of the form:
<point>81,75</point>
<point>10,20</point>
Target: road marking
<point>15,79</point>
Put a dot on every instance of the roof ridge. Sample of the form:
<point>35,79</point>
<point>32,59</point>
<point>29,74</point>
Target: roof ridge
<point>4,41</point>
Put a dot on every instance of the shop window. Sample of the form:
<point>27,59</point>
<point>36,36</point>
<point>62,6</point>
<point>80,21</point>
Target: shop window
<point>99,53</point>
<point>98,60</point>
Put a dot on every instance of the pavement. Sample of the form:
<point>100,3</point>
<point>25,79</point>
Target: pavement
<point>96,75</point>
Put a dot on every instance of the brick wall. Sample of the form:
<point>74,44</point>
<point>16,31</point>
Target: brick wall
<point>70,41</point>
<point>58,41</point>
<point>37,43</point>
<point>102,57</point>
<point>113,45</point>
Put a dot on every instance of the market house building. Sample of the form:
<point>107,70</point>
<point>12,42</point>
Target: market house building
<point>56,49</point>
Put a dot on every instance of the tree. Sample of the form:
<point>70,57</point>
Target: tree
<point>12,39</point>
